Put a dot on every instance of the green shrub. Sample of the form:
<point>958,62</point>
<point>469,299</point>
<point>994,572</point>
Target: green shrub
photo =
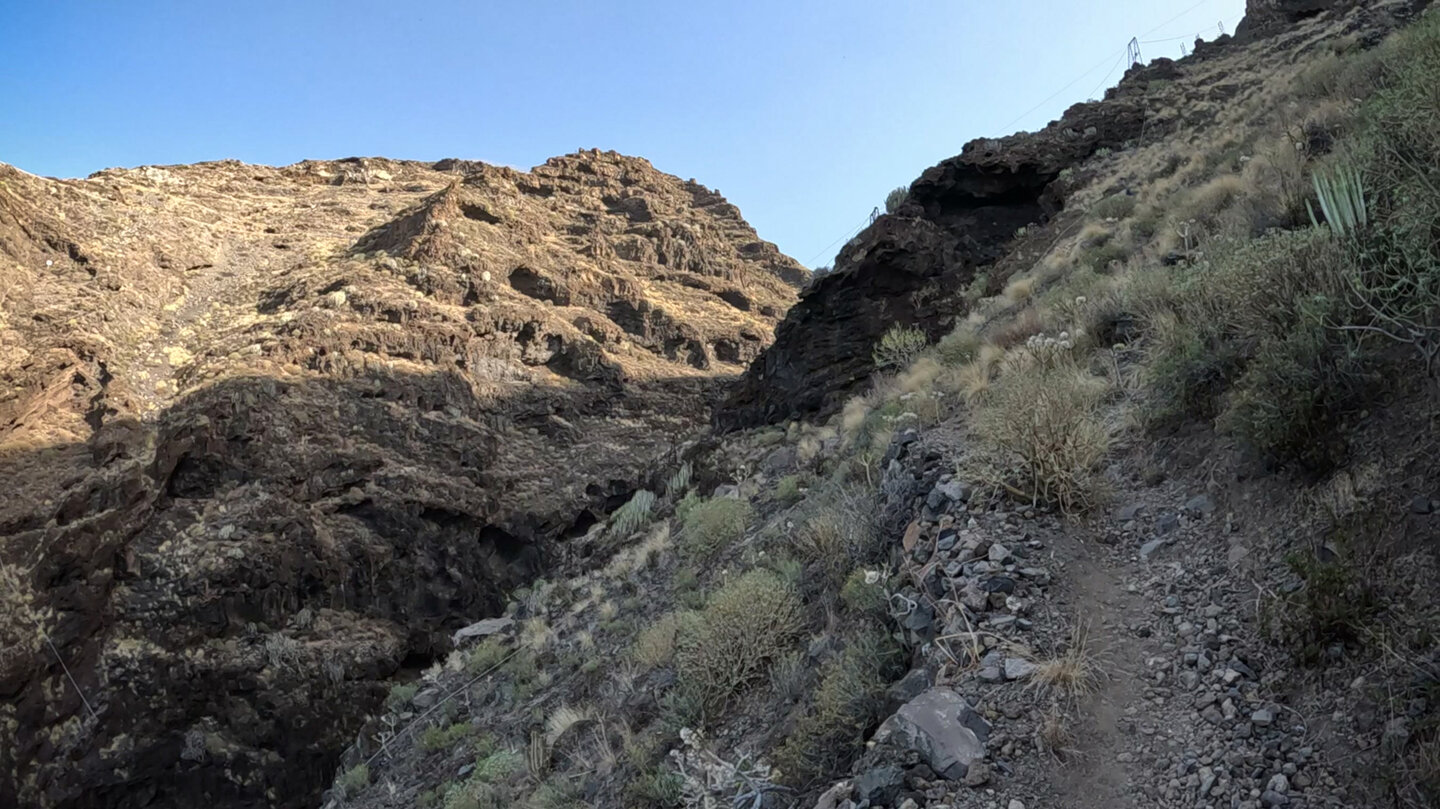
<point>438,738</point>
<point>686,504</point>
<point>400,695</point>
<point>1187,371</point>
<point>977,288</point>
<point>864,594</point>
<point>1115,206</point>
<point>1331,607</point>
<point>959,346</point>
<point>896,198</point>
<point>353,780</point>
<point>497,767</point>
<point>485,655</point>
<point>1099,256</point>
<point>1286,403</point>
<point>787,489</point>
<point>745,625</point>
<point>713,525</point>
<point>845,708</point>
<point>898,347</point>
<point>658,788</point>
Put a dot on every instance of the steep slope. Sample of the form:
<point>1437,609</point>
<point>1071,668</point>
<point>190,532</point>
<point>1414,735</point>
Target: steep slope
<point>268,435</point>
<point>968,216</point>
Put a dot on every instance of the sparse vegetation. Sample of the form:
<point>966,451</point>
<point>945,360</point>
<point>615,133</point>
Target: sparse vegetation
<point>845,707</point>
<point>787,489</point>
<point>353,780</point>
<point>896,198</point>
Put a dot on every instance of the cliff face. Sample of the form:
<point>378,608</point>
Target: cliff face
<point>268,435</point>
<point>911,267</point>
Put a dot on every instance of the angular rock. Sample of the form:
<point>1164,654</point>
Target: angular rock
<point>1018,668</point>
<point>941,726</point>
<point>880,785</point>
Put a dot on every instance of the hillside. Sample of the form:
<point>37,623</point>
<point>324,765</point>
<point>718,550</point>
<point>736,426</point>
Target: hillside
<point>269,435</point>
<point>1100,473</point>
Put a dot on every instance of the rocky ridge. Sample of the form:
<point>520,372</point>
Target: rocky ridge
<point>973,219</point>
<point>269,435</point>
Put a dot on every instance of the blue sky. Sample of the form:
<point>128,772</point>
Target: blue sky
<point>802,113</point>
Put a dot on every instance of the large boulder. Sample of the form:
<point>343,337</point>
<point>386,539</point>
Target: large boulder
<point>942,727</point>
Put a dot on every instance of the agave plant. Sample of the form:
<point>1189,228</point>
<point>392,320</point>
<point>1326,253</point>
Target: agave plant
<point>634,515</point>
<point>1342,200</point>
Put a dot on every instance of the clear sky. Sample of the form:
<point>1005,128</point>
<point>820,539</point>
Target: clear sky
<point>803,112</point>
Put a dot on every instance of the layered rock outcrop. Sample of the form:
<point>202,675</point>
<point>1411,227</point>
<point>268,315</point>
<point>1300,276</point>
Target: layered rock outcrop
<point>269,435</point>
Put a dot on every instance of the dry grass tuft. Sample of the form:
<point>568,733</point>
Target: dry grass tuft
<point>563,719</point>
<point>1075,673</point>
<point>1046,416</point>
<point>655,646</point>
<point>1019,290</point>
<point>1028,323</point>
<point>852,418</point>
<point>973,379</point>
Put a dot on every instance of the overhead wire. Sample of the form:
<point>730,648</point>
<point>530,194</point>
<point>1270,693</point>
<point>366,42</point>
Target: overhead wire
<point>849,234</point>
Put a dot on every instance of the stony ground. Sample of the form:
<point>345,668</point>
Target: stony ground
<point>1173,693</point>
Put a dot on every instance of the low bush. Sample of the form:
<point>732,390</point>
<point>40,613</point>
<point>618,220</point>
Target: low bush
<point>711,526</point>
<point>787,489</point>
<point>959,346</point>
<point>898,347</point>
<point>745,625</point>
<point>1044,413</point>
<point>655,645</point>
<point>436,737</point>
<point>838,531</point>
<point>896,198</point>
<point>846,706</point>
<point>1115,206</point>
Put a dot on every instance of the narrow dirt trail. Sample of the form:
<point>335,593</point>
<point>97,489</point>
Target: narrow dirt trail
<point>1100,603</point>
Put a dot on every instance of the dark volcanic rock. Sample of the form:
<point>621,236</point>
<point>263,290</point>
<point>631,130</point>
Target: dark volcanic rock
<point>1264,17</point>
<point>911,266</point>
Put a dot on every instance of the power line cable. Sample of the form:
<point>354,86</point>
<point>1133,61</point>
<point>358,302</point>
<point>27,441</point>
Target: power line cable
<point>1022,116</point>
<point>1103,81</point>
<point>1176,17</point>
<point>850,234</point>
